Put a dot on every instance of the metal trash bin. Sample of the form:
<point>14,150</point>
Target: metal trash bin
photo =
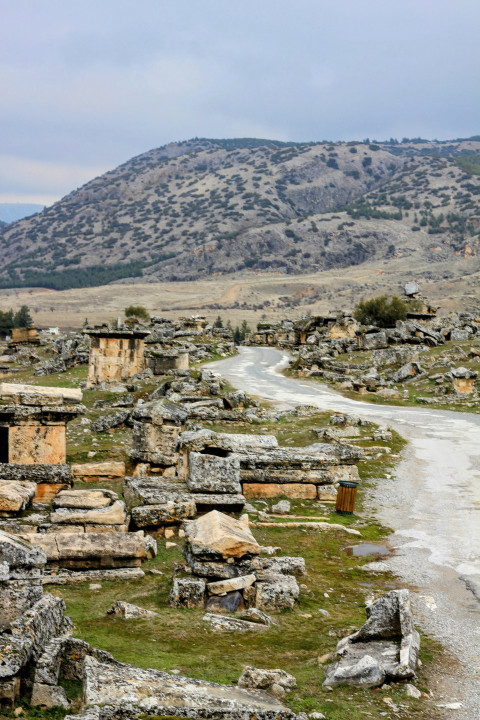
<point>346,496</point>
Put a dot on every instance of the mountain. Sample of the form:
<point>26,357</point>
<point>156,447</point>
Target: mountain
<point>211,207</point>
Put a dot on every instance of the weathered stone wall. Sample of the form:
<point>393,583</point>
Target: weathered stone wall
<point>35,444</point>
<point>115,358</point>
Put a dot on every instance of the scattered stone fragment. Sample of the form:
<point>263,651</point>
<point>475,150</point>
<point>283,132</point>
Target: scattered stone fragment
<point>387,645</point>
<point>129,611</point>
<point>221,623</point>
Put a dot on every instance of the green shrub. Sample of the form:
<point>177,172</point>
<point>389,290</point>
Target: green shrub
<point>380,311</point>
<point>138,312</point>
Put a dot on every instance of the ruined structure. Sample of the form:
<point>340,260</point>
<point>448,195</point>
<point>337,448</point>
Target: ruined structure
<point>227,573</point>
<point>33,423</point>
<point>24,336</point>
<point>161,362</point>
<point>116,353</point>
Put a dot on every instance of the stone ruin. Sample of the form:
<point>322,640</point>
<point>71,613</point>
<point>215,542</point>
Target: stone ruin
<point>37,651</point>
<point>226,573</point>
<point>385,648</point>
<point>180,473</point>
<point>33,423</point>
<point>116,353</point>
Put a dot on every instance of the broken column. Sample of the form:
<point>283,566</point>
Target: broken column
<point>116,353</point>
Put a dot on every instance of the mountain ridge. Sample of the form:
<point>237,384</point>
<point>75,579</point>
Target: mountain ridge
<point>207,207</point>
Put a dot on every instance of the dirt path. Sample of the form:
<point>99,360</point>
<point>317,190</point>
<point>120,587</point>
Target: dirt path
<point>432,504</point>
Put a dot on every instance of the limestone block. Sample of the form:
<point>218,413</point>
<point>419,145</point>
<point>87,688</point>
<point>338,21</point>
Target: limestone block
<point>277,593</point>
<point>115,514</point>
<point>33,630</point>
<point>9,691</point>
<point>36,444</point>
<point>220,623</point>
<point>327,493</point>
<point>15,496</point>
<point>188,592</point>
<point>129,611</point>
<point>284,565</point>
<point>155,692</point>
<point>387,645</point>
<point>217,536</point>
<point>167,513</point>
<point>98,471</point>
<point>20,554</point>
<point>48,696</point>
<point>214,501</point>
<point>90,550</point>
<point>153,491</point>
<point>15,391</point>
<point>84,499</point>
<point>47,491</point>
<point>16,597</point>
<point>272,490</point>
<point>263,679</point>
<point>224,586</point>
<point>210,473</point>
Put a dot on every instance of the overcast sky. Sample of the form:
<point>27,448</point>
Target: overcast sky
<point>87,84</point>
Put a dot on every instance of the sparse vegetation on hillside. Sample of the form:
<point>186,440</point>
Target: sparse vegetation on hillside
<point>211,207</point>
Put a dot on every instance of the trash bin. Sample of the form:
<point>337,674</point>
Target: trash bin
<point>346,496</point>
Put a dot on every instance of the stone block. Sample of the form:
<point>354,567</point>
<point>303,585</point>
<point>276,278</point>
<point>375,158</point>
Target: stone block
<point>167,513</point>
<point>84,499</point>
<point>273,490</point>
<point>93,550</point>
<point>16,597</point>
<point>225,586</point>
<point>210,473</point>
<point>129,611</point>
<point>188,592</point>
<point>18,391</point>
<point>30,444</point>
<point>15,496</point>
<point>98,471</point>
<point>48,696</point>
<point>115,514</point>
<point>278,592</point>
<point>216,536</point>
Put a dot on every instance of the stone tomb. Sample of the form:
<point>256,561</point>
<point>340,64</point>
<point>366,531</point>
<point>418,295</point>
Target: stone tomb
<point>33,423</point>
<point>115,353</point>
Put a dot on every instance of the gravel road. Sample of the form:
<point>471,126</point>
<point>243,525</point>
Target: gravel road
<point>432,504</point>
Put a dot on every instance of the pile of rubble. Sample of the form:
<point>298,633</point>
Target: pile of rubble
<point>227,574</point>
<point>37,652</point>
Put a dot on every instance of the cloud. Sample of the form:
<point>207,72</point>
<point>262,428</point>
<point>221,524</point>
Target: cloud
<point>88,85</point>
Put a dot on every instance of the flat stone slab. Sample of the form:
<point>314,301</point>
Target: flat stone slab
<point>209,473</point>
<point>84,499</point>
<point>15,390</point>
<point>100,469</point>
<point>223,623</point>
<point>224,586</point>
<point>15,496</point>
<point>216,535</point>
<point>153,692</point>
<point>102,548</point>
<point>113,515</point>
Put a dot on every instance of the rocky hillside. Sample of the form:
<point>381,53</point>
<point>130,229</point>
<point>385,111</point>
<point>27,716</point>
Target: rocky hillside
<point>210,207</point>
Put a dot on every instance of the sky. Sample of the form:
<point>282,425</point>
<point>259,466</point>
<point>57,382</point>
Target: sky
<point>86,85</point>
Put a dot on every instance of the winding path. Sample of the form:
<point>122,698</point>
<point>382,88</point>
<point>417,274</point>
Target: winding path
<point>432,504</point>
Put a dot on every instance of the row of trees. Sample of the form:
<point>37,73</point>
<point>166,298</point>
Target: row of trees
<point>239,332</point>
<point>10,320</point>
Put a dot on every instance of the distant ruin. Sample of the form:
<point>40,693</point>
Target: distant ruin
<point>116,353</point>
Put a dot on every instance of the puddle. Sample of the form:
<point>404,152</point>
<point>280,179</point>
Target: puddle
<point>365,549</point>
